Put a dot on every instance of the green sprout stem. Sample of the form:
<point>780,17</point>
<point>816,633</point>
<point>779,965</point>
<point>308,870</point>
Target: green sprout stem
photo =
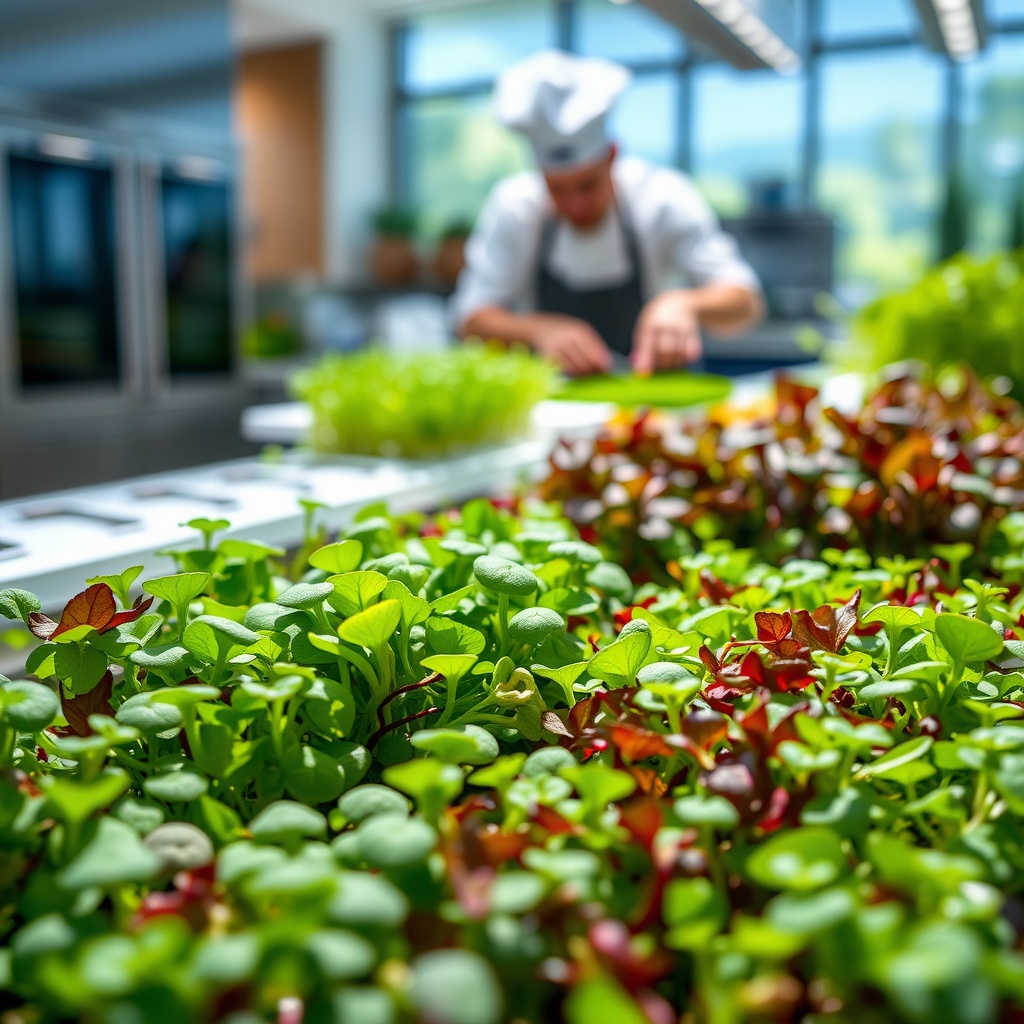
<point>181,619</point>
<point>191,727</point>
<point>893,652</point>
<point>219,666</point>
<point>403,652</point>
<point>344,675</point>
<point>471,714</point>
<point>715,872</point>
<point>277,723</point>
<point>949,688</point>
<point>8,738</point>
<point>320,614</point>
<point>386,665</point>
<point>91,764</point>
<point>72,843</point>
<point>451,694</point>
<point>501,720</point>
<point>503,634</point>
<point>717,1005</point>
<point>673,709</point>
<point>361,663</point>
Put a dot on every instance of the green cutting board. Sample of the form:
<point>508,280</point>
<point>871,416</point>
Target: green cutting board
<point>663,390</point>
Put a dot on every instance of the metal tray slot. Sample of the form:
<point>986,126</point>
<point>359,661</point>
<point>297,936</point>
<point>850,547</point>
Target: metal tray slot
<point>145,491</point>
<point>35,513</point>
<point>257,474</point>
<point>9,549</point>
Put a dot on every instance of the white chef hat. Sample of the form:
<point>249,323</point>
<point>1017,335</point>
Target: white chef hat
<point>561,103</point>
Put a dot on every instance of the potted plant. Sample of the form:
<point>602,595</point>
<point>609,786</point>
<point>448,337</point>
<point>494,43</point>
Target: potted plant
<point>393,257</point>
<point>450,257</point>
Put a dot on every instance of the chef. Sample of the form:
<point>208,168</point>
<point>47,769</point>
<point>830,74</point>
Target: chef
<point>599,257</point>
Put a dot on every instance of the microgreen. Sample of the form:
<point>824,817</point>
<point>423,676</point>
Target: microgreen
<point>980,298</point>
<point>923,471</point>
<point>422,405</point>
<point>466,769</point>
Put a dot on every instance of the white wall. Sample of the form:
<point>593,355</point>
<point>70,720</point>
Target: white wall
<point>357,96</point>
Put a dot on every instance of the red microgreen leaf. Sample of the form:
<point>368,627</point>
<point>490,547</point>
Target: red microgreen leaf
<point>139,608</point>
<point>92,607</point>
<point>77,709</point>
<point>41,625</point>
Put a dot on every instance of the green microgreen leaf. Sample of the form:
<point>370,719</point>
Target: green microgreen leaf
<point>341,557</point>
<point>355,591</point>
<point>967,640</point>
<point>26,705</point>
<point>373,627</point>
<point>464,744</point>
<point>619,662</point>
<point>802,859</point>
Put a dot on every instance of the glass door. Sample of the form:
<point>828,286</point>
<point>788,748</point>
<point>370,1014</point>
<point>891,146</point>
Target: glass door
<point>65,272</point>
<point>198,274</point>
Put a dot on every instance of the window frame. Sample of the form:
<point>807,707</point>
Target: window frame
<point>816,49</point>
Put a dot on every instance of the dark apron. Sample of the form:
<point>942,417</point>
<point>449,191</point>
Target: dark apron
<point>612,311</point>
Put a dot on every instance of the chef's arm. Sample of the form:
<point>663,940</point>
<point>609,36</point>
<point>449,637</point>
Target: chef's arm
<point>725,308</point>
<point>668,331</point>
<point>500,324</point>
<point>574,345</point>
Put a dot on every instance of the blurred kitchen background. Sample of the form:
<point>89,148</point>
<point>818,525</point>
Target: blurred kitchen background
<point>197,196</point>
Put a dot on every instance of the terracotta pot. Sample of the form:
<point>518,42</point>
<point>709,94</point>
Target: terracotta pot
<point>449,259</point>
<point>393,261</point>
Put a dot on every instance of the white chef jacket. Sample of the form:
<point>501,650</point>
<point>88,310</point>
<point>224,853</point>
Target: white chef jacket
<point>679,239</point>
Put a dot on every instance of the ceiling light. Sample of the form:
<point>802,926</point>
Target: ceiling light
<point>956,21</point>
<point>729,11</point>
<point>955,27</point>
<point>754,36</point>
<point>66,147</point>
<point>772,48</point>
<point>749,34</point>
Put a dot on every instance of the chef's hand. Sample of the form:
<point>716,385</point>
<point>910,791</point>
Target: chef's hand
<point>667,334</point>
<point>573,344</point>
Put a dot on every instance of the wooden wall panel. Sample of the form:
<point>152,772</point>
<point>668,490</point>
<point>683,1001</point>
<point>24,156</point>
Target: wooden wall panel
<point>280,115</point>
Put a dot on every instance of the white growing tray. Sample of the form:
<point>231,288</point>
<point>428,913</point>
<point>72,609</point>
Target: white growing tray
<point>50,544</point>
<point>290,422</point>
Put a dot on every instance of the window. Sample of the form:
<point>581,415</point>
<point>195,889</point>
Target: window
<point>469,46</point>
<point>992,139</point>
<point>451,148</point>
<point>646,117</point>
<point>747,135</point>
<point>459,150</point>
<point>843,20</point>
<point>880,164</point>
<point>873,158</point>
<point>625,32</point>
<point>1005,10</point>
